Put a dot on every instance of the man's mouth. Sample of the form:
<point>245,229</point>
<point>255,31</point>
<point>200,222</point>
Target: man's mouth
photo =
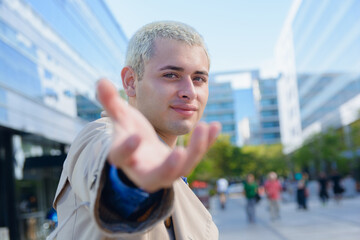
<point>184,109</point>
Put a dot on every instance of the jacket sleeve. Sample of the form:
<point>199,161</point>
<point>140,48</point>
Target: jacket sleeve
<point>120,196</point>
<point>87,173</point>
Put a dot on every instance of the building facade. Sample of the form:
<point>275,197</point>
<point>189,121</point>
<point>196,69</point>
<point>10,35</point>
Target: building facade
<point>318,57</point>
<point>267,109</point>
<point>245,105</point>
<point>220,107</point>
<point>228,93</point>
<point>263,126</point>
<point>51,55</point>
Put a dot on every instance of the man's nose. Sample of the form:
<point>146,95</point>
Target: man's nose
<point>187,89</point>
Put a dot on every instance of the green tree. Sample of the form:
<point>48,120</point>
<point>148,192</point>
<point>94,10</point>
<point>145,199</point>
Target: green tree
<point>226,160</point>
<point>321,152</point>
<point>216,163</point>
<point>265,158</point>
<point>353,145</point>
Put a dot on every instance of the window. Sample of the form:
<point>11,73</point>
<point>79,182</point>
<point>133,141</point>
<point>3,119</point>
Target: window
<point>269,113</point>
<point>270,124</point>
<point>268,102</point>
<point>268,136</point>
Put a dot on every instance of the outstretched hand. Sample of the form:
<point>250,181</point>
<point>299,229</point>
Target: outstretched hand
<point>138,151</point>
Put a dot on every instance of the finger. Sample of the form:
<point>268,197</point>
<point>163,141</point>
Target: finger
<point>121,153</point>
<point>167,172</point>
<point>110,99</point>
<point>214,130</point>
<point>197,147</point>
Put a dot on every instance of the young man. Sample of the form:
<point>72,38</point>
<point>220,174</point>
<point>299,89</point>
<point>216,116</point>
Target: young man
<point>121,179</point>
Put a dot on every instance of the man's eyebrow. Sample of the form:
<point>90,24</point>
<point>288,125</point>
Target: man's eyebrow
<point>180,69</point>
<point>171,67</point>
<point>202,73</point>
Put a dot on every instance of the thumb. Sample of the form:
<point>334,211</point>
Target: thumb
<point>110,99</point>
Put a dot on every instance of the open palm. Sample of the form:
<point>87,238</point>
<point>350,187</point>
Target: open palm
<point>138,151</point>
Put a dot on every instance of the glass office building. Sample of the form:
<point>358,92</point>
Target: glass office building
<point>51,55</point>
<point>267,109</point>
<point>318,54</point>
<point>220,107</point>
<point>246,106</point>
<point>262,126</point>
<point>230,100</point>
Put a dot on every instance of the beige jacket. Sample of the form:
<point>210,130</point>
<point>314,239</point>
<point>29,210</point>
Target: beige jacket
<point>77,199</point>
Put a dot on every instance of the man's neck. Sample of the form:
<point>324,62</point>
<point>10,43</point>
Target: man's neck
<point>170,141</point>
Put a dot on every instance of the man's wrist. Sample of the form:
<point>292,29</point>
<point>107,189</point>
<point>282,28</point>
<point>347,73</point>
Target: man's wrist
<point>122,184</point>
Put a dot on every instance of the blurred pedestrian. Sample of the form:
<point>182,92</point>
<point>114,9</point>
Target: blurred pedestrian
<point>52,218</point>
<point>349,185</point>
<point>287,190</point>
<point>273,189</point>
<point>222,186</point>
<point>251,192</point>
<point>323,186</point>
<point>336,184</point>
<point>301,194</point>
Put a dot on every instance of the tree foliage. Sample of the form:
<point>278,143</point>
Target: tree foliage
<point>322,152</point>
<point>226,160</point>
<point>264,159</point>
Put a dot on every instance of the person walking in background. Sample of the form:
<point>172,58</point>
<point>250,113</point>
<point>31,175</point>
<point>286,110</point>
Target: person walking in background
<point>301,193</point>
<point>250,190</point>
<point>221,187</point>
<point>336,184</point>
<point>287,190</point>
<point>273,190</point>
<point>323,185</point>
<point>349,185</point>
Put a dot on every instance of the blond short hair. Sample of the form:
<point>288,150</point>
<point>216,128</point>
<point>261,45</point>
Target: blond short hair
<point>141,45</point>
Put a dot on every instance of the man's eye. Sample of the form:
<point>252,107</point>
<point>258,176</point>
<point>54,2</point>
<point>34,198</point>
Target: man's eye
<point>170,75</point>
<point>199,79</point>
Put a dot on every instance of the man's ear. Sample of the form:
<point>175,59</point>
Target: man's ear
<point>128,76</point>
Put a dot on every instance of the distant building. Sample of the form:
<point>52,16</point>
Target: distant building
<point>319,61</point>
<point>263,127</point>
<point>228,91</point>
<point>267,109</point>
<point>245,105</point>
<point>220,108</point>
<point>51,55</point>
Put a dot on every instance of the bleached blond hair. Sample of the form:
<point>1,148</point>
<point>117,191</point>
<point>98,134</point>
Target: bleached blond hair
<point>141,45</point>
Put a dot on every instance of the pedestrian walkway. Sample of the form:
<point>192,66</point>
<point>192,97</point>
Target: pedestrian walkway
<point>331,222</point>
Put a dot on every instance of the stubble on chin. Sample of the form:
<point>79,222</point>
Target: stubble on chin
<point>181,128</point>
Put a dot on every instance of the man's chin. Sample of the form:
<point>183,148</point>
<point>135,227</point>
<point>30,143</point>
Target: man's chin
<point>182,128</point>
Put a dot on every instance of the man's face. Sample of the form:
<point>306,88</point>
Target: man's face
<point>174,89</point>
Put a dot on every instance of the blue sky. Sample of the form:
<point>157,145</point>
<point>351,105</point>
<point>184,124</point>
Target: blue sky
<point>240,34</point>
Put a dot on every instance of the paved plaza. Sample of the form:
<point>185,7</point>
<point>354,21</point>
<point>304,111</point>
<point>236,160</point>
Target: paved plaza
<point>331,222</point>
